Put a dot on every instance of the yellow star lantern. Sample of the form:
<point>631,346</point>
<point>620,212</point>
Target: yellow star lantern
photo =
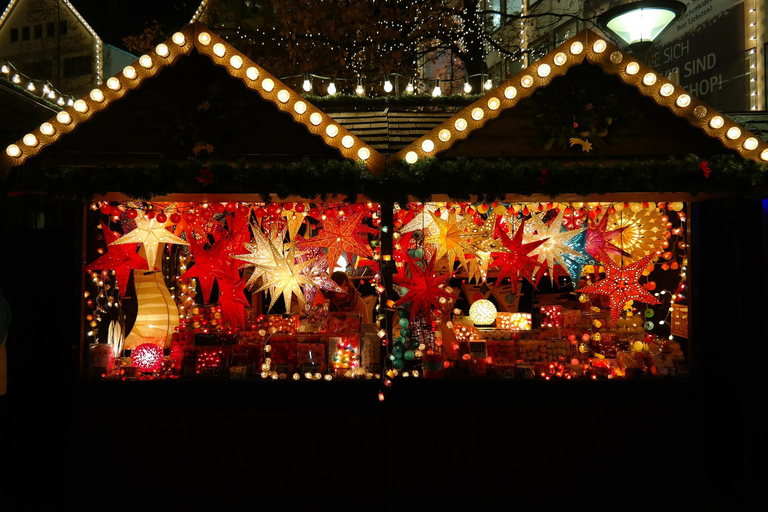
<point>260,256</point>
<point>452,238</point>
<point>151,234</point>
<point>642,232</point>
<point>285,277</point>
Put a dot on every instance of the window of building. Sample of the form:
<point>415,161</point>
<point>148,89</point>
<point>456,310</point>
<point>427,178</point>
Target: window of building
<point>25,33</point>
<point>493,10</point>
<point>62,28</point>
<point>77,66</point>
<point>14,35</point>
<point>38,31</point>
<point>50,30</point>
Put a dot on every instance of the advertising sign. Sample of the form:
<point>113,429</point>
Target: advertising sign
<point>704,51</point>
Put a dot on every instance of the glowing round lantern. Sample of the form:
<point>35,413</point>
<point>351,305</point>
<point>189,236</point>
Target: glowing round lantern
<point>147,357</point>
<point>483,312</point>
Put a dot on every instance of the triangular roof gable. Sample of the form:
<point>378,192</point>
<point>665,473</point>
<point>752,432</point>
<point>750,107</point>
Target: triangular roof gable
<point>222,54</point>
<point>596,50</point>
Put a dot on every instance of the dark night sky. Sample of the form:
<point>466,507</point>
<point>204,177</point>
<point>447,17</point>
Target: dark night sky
<point>113,20</point>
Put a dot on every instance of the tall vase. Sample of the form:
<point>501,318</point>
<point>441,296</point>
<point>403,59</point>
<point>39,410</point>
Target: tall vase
<point>157,313</point>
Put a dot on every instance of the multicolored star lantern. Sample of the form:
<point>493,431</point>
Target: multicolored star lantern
<point>425,289</point>
<point>339,236</point>
<point>599,237</point>
<point>555,246</point>
<point>621,284</point>
<point>151,234</point>
<point>515,261</point>
<point>120,258</point>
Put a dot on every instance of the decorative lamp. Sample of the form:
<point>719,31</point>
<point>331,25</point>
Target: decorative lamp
<point>639,24</point>
<point>482,312</point>
<point>147,357</point>
<point>514,321</point>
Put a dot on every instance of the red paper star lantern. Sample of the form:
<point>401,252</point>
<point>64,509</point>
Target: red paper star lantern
<point>515,262</point>
<point>621,284</point>
<point>425,289</point>
<point>120,258</point>
<point>342,235</point>
<point>233,301</point>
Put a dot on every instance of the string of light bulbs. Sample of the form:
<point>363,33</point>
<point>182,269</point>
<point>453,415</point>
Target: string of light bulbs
<point>41,87</point>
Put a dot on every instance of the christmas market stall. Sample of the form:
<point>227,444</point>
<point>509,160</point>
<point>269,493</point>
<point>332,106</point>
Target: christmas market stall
<point>235,231</point>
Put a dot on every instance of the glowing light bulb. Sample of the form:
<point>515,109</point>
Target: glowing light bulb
<point>444,135</point>
<point>114,84</point>
<point>97,96</point>
<point>467,88</point>
<point>388,86</point>
<point>409,88</point>
<point>649,79</point>
<point>716,122</point>
<point>460,124</point>
<point>510,92</point>
<point>63,117</point>
<point>577,48</point>
<point>560,58</point>
<point>267,84</point>
<point>316,118</point>
<point>667,90</point>
<point>179,39</point>
<point>684,100</point>
<point>236,61</point>
<point>347,141</point>
<point>633,68</point>
<point>204,38</point>
<point>332,130</point>
<point>47,129</point>
<point>488,84</point>
<point>733,133</point>
<point>129,72</point>
<point>359,90</point>
<point>543,70</point>
<point>437,91</point>
<point>81,106</point>
<point>427,146</point>
<point>599,46</point>
<point>494,103</point>
<point>300,107</point>
<point>526,81</point>
<point>750,144</point>
<point>283,96</point>
<point>162,50</point>
<point>145,61</point>
<point>252,73</point>
<point>477,114</point>
<point>332,88</point>
<point>307,85</point>
<point>411,157</point>
<point>363,154</point>
<point>13,151</point>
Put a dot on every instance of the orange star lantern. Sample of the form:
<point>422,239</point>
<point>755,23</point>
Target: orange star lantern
<point>621,284</point>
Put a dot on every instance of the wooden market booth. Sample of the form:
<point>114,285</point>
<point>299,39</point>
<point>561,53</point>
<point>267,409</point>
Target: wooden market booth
<point>590,129</point>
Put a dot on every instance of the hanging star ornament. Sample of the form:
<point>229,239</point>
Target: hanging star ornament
<point>233,301</point>
<point>515,261</point>
<point>209,265</point>
<point>120,258</point>
<point>426,290</point>
<point>284,277</point>
<point>424,220</point>
<point>340,236</point>
<point>555,245</point>
<point>260,255</point>
<point>151,234</point>
<point>574,264</point>
<point>599,237</point>
<point>621,284</point>
<point>451,238</point>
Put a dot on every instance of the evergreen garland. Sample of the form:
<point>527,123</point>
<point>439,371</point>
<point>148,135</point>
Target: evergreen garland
<point>461,179</point>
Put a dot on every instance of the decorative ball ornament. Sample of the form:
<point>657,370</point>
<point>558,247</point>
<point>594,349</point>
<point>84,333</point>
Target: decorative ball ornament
<point>482,312</point>
<point>147,357</point>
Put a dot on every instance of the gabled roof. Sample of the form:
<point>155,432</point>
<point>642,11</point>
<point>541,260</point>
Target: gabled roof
<point>97,47</point>
<point>585,47</point>
<point>222,54</point>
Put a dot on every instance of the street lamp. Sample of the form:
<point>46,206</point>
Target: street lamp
<point>639,24</point>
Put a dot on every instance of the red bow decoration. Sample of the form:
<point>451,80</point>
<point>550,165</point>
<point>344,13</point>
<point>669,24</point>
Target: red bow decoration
<point>544,177</point>
<point>206,176</point>
<point>704,166</point>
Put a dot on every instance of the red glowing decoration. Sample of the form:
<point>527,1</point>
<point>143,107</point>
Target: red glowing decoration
<point>120,258</point>
<point>147,357</point>
<point>514,260</point>
<point>342,235</point>
<point>425,290</point>
<point>621,284</point>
